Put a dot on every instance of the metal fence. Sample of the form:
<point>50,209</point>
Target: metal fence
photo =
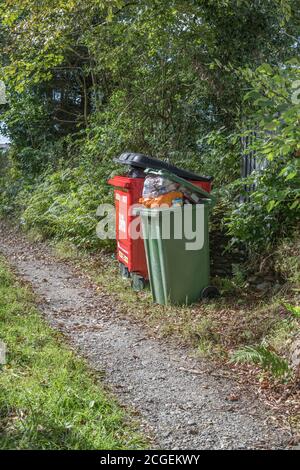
<point>250,162</point>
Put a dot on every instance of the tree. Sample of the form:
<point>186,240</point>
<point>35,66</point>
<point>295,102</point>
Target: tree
<point>146,75</point>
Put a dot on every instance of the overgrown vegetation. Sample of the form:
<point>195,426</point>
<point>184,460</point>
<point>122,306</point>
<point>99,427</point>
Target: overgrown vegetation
<point>48,397</point>
<point>203,84</point>
<point>178,80</point>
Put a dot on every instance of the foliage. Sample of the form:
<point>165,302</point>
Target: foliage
<point>287,259</point>
<point>294,310</point>
<point>272,211</point>
<point>64,205</point>
<point>221,157</point>
<point>179,80</point>
<point>14,191</point>
<point>268,359</point>
<point>152,76</point>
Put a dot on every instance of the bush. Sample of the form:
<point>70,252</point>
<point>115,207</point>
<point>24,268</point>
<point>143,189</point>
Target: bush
<point>271,212</point>
<point>64,204</point>
<point>15,190</point>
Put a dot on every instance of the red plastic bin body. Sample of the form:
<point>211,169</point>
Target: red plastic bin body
<point>130,252</point>
<point>127,192</point>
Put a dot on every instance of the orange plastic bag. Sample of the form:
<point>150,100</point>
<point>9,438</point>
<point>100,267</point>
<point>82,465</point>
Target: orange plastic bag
<point>169,199</point>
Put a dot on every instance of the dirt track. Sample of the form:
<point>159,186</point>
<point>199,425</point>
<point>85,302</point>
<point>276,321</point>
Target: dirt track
<point>185,406</point>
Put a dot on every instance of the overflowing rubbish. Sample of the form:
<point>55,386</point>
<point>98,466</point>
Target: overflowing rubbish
<point>153,192</point>
<point>170,199</point>
<point>158,191</point>
<point>155,186</point>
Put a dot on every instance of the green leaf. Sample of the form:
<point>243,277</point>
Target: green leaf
<point>291,175</point>
<point>295,204</point>
<point>265,68</point>
<point>294,310</point>
<point>271,205</point>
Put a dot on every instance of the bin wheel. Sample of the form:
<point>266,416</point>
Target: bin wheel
<point>124,271</point>
<point>138,283</point>
<point>210,292</point>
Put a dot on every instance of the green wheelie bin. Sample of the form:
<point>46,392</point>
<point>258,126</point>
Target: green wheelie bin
<point>177,248</point>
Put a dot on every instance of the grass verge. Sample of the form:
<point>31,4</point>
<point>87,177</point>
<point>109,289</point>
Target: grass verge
<point>49,399</point>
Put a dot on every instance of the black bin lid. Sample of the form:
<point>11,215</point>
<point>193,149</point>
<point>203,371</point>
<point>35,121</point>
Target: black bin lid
<point>138,160</point>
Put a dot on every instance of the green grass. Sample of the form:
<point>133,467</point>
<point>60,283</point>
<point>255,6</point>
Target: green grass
<point>49,399</point>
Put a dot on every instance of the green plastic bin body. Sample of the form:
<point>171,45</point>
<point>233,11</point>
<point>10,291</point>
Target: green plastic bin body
<point>177,274</point>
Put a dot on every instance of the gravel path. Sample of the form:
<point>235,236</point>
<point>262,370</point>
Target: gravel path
<point>184,405</point>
